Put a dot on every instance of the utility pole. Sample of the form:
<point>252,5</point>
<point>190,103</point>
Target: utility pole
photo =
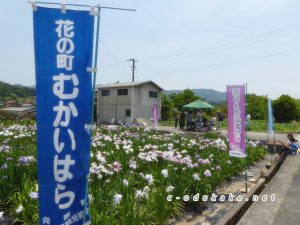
<point>133,60</point>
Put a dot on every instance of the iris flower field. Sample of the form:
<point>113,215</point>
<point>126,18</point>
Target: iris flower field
<point>133,170</point>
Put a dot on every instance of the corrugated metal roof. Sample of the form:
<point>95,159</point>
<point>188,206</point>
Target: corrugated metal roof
<point>128,84</point>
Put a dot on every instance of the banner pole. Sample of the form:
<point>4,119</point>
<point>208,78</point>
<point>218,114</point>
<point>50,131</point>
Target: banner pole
<point>274,139</point>
<point>246,162</point>
<point>80,5</point>
<point>93,103</point>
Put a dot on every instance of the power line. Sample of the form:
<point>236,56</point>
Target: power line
<point>225,63</point>
<point>107,49</point>
<point>270,34</point>
<point>261,37</point>
<point>209,50</point>
<point>112,64</point>
<point>114,59</point>
<point>274,34</point>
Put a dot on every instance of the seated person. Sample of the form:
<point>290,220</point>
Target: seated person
<point>290,148</point>
<point>205,122</point>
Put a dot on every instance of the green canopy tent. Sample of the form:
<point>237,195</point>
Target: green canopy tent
<point>198,104</point>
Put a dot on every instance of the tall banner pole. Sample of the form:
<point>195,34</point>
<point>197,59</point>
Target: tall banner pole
<point>66,65</point>
<point>246,133</point>
<point>155,116</point>
<point>94,70</point>
<point>63,42</point>
<point>271,132</point>
<point>237,134</point>
<point>270,119</point>
<point>95,63</point>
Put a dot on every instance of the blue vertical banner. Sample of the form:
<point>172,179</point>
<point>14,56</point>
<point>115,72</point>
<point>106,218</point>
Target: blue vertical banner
<point>270,117</point>
<point>63,41</point>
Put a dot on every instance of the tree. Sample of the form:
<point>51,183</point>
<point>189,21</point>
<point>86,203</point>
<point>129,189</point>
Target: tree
<point>166,107</point>
<point>297,101</point>
<point>14,91</point>
<point>285,108</point>
<point>221,108</point>
<point>183,98</point>
<point>257,106</point>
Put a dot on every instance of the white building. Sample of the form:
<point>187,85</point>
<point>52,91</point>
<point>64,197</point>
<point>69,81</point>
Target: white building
<point>124,102</point>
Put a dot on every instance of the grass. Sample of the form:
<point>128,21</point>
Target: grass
<point>167,123</point>
<point>255,125</point>
<point>262,126</point>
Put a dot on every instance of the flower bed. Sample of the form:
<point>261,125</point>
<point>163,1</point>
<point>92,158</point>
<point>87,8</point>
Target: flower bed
<point>133,170</point>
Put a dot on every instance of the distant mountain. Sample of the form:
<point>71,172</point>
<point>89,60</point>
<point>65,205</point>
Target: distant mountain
<point>32,86</point>
<point>210,95</point>
<point>19,85</point>
<point>12,91</point>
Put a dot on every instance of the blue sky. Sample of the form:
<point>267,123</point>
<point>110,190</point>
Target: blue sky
<point>179,44</point>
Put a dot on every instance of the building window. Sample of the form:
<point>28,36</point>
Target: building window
<point>153,94</point>
<point>128,113</point>
<point>122,92</point>
<point>105,93</point>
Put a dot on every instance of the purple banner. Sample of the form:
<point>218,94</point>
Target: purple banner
<point>155,116</point>
<point>236,120</point>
